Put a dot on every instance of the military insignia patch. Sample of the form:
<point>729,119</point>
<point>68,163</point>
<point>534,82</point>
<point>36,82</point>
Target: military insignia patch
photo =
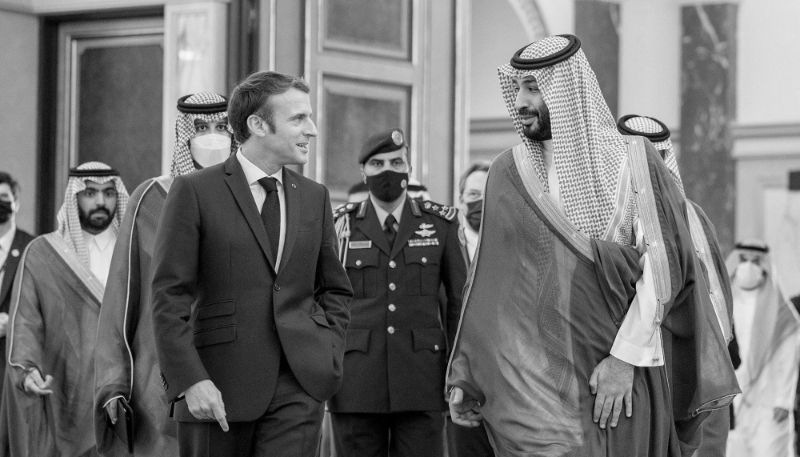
<point>443,211</point>
<point>397,137</point>
<point>425,230</point>
<point>344,209</point>
<point>421,242</point>
<point>360,244</point>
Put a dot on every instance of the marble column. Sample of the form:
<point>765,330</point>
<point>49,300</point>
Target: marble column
<point>195,34</point>
<point>597,26</point>
<point>708,109</point>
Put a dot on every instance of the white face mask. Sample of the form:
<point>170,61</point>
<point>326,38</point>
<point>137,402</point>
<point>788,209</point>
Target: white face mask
<point>211,149</point>
<point>748,275</point>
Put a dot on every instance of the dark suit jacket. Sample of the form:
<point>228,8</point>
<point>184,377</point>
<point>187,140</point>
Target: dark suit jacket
<point>220,311</point>
<point>397,341</point>
<point>18,244</point>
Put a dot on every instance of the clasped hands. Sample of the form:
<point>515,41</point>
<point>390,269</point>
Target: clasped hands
<point>611,383</point>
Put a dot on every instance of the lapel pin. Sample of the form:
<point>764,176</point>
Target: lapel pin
<point>294,186</point>
<point>15,252</point>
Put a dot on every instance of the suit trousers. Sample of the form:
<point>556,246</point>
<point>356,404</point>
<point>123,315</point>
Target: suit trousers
<point>468,442</point>
<point>290,427</point>
<point>406,434</point>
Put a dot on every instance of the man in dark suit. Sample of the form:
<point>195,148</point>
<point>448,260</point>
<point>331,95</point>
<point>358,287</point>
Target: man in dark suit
<point>398,252</point>
<point>12,243</point>
<point>250,310</point>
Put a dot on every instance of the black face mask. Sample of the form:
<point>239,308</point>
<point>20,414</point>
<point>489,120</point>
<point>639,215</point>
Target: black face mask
<point>388,185</point>
<point>6,210</point>
<point>474,214</point>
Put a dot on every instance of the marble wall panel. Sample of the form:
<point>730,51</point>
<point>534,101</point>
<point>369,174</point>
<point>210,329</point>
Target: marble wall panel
<point>597,26</point>
<point>195,59</point>
<point>708,109</point>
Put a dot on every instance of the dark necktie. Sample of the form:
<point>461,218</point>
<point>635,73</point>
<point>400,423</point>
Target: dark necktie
<point>271,214</point>
<point>389,229</point>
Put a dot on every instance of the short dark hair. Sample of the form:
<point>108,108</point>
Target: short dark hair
<point>480,165</point>
<point>6,178</point>
<point>251,96</point>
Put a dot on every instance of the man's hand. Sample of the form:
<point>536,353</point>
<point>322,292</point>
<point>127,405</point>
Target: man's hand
<point>3,324</point>
<point>465,412</point>
<point>111,410</point>
<point>34,383</point>
<point>612,382</point>
<point>780,414</point>
<point>205,402</point>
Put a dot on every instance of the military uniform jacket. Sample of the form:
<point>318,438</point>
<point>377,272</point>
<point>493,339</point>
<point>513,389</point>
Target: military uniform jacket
<point>398,339</point>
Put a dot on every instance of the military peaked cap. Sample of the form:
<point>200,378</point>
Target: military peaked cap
<point>388,141</point>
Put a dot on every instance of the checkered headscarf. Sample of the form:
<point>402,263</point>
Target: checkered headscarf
<point>69,224</point>
<point>647,126</point>
<point>588,149</point>
<point>182,162</point>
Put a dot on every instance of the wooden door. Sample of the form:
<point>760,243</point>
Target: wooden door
<point>375,65</point>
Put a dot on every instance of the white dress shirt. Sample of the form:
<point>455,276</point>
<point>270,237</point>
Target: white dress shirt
<point>101,248</point>
<point>471,239</point>
<point>252,173</point>
<point>5,249</point>
<point>638,340</point>
<point>382,214</point>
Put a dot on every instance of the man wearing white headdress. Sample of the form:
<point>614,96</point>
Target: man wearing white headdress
<point>58,289</point>
<point>127,370</point>
<point>585,285</point>
<point>704,237</point>
<point>768,332</point>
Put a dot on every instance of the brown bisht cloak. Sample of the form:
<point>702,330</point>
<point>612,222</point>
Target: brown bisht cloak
<point>716,426</point>
<point>126,359</point>
<point>54,310</point>
<point>543,304</point>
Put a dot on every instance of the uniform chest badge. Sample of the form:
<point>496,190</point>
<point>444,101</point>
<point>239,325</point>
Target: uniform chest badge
<point>422,242</point>
<point>425,230</point>
<point>360,244</point>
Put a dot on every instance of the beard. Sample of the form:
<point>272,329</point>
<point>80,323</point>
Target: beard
<point>539,130</point>
<point>93,222</point>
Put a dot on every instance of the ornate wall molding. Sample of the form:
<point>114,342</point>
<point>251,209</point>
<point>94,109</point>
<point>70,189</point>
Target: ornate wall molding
<point>766,141</point>
<point>77,6</point>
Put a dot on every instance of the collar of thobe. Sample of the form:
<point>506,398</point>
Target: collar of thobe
<point>382,214</point>
<point>252,173</point>
<point>552,176</point>
<point>101,240</point>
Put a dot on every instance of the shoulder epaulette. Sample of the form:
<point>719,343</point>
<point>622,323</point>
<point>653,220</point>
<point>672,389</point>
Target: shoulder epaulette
<point>344,209</point>
<point>443,211</point>
<point>415,207</point>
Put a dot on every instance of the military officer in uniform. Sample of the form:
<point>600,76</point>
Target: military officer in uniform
<point>398,253</point>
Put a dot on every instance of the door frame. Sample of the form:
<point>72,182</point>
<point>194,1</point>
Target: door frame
<point>73,38</point>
